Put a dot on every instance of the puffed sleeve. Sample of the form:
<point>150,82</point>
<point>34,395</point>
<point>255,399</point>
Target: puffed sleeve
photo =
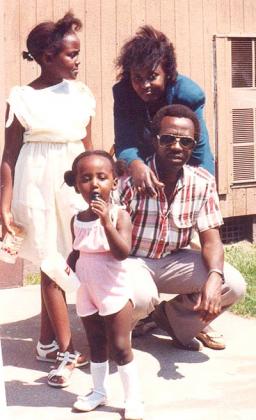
<point>17,107</point>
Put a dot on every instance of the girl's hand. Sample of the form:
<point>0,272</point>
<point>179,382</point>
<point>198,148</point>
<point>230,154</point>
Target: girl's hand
<point>7,221</point>
<point>144,178</point>
<point>101,208</point>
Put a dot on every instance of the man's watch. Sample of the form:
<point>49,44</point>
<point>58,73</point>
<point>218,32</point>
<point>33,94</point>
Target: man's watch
<point>220,272</point>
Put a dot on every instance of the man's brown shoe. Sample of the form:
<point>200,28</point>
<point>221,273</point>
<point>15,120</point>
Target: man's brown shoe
<point>160,317</point>
<point>212,339</point>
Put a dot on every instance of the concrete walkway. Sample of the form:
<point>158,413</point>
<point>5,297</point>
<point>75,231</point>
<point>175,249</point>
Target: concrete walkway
<point>177,385</point>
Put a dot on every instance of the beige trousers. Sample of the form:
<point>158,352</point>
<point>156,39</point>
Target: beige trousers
<point>184,274</point>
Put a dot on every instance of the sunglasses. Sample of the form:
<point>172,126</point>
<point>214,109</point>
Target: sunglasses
<point>186,142</point>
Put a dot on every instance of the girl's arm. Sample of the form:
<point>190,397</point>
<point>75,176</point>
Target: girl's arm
<point>119,238</point>
<point>13,144</point>
<point>74,254</point>
<point>87,141</point>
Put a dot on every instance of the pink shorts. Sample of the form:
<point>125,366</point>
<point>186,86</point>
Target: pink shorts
<point>105,284</point>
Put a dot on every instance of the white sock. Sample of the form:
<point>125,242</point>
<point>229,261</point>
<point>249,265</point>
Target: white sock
<point>100,372</point>
<point>130,380</point>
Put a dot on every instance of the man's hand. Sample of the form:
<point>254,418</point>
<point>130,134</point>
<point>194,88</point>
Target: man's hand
<point>144,179</point>
<point>209,300</point>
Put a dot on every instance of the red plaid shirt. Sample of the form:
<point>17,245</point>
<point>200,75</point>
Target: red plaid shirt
<point>159,228</point>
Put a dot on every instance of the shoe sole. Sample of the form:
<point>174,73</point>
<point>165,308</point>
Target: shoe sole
<point>76,407</point>
<point>56,385</point>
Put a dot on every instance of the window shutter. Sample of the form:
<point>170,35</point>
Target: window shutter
<point>243,104</point>
<point>242,62</point>
<point>243,145</point>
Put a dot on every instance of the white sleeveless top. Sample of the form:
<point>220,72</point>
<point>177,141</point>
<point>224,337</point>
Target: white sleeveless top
<point>90,237</point>
<point>56,114</point>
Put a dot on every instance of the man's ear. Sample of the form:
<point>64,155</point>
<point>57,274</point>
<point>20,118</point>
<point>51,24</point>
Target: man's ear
<point>155,142</point>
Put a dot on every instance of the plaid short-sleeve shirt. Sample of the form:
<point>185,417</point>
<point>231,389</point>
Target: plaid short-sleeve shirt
<point>159,228</point>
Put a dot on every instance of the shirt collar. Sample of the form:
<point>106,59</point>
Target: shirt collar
<point>182,180</point>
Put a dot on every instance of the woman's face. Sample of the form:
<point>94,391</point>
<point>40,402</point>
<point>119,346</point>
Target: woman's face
<point>149,84</point>
<point>65,64</point>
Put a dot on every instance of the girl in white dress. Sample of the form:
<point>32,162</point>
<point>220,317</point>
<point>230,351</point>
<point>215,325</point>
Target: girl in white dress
<point>102,242</point>
<point>47,126</point>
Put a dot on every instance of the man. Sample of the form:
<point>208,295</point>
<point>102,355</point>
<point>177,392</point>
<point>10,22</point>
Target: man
<point>162,229</point>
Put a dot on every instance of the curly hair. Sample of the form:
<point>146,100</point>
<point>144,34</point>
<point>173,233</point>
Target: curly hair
<point>179,111</point>
<point>70,176</point>
<point>48,36</point>
<point>147,49</point>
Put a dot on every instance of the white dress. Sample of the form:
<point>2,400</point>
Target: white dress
<point>54,120</point>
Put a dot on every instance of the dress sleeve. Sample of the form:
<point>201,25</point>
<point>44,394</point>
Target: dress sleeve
<point>188,93</point>
<point>16,107</point>
<point>89,99</point>
<point>126,131</point>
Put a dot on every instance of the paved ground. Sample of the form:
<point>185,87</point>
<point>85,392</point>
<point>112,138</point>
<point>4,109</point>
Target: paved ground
<point>177,385</point>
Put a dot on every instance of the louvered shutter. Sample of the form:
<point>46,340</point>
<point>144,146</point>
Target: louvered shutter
<point>243,104</point>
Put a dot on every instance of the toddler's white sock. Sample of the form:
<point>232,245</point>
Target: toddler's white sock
<point>130,380</point>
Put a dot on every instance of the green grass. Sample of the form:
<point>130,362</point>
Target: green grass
<point>243,257</point>
<point>32,278</point>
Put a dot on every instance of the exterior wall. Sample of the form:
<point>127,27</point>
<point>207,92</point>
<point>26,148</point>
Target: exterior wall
<point>190,24</point>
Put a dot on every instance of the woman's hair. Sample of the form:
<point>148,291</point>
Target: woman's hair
<point>179,111</point>
<point>48,36</point>
<point>148,48</point>
<point>70,176</point>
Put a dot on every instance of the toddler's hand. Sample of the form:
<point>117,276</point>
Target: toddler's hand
<point>101,208</point>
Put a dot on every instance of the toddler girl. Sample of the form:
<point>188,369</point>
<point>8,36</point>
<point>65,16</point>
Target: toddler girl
<point>48,124</point>
<point>102,239</point>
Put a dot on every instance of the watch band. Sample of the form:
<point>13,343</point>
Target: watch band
<point>220,272</point>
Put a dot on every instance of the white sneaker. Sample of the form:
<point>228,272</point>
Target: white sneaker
<point>90,402</point>
<point>134,410</point>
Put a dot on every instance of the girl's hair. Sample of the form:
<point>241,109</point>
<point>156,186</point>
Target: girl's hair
<point>70,176</point>
<point>48,36</point>
<point>179,111</point>
<point>148,48</point>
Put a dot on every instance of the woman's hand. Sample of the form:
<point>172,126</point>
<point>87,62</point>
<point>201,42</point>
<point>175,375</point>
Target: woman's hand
<point>144,179</point>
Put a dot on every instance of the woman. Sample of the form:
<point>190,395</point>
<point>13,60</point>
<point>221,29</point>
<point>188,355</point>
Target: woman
<point>148,81</point>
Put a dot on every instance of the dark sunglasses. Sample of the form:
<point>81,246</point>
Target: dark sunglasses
<point>186,142</point>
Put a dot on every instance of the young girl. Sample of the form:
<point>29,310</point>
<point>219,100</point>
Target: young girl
<point>48,124</point>
<point>148,80</point>
<point>102,238</point>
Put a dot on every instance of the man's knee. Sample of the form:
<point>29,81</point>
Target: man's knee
<point>235,283</point>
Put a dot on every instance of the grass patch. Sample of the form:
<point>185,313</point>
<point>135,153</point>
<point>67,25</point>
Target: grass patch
<point>32,278</point>
<point>243,257</point>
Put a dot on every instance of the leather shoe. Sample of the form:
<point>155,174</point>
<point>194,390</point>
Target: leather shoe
<point>89,402</point>
<point>212,339</point>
